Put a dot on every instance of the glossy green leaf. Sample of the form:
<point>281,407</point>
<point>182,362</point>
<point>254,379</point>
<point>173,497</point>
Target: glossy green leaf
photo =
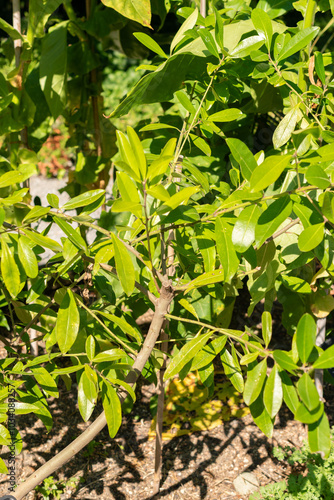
<point>201,144</point>
<point>325,360</point>
<point>188,24</point>
<point>178,199</point>
<point>289,392</point>
<point>206,279</point>
<point>319,66</point>
<point>89,384</point>
<point>243,156</point>
<point>225,248</point>
<point>308,392</point>
<point>284,360</point>
<point>227,115</point>
<point>316,176</point>
<point>53,68</point>
<point>127,154</point>
<point>208,353</point>
<point>136,10</point>
<point>158,167</point>
<point>112,408</point>
<point>209,41</point>
<point>305,336</point>
<point>232,368</point>
<point>185,101</point>
<point>271,219</point>
<point>71,233</point>
<point>27,257</point>
<point>261,417</point>
<point>86,407</point>
<point>150,43</point>
<point>285,128</point>
<point>83,199</point>
<point>319,436</point>
<point>90,347</point>
<point>124,266</point>
<point>188,307</point>
<point>186,354</point>
<point>249,358</point>
<point>127,188</point>
<point>246,46</point>
<point>43,241</point>
<point>306,416</point>
<point>254,382</point>
<point>138,152</point>
<point>311,237</point>
<point>268,172</point>
<point>109,355</point>
<point>296,284</point>
<point>243,234</point>
<point>68,321</point>
<point>46,381</point>
<point>124,326</point>
<point>263,25</point>
<point>298,42</point>
<point>9,270</point>
<point>273,393</point>
<point>267,328</point>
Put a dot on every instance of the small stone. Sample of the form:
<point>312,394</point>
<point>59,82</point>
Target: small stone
<point>246,483</point>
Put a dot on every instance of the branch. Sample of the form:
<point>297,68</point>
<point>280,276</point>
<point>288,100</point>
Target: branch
<point>166,297</point>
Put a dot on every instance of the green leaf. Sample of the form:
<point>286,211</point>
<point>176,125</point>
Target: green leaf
<point>319,66</point>
<point>89,384</point>
<point>12,32</point>
<point>243,234</point>
<point>188,307</point>
<point>27,257</point>
<point>263,25</point>
<point>271,219</point>
<point>46,381</point>
<point>289,392</point>
<point>3,467</point>
<point>53,200</point>
<point>42,241</point>
<point>39,13</point>
<point>325,360</point>
<point>158,167</point>
<point>90,347</point>
<point>112,408</point>
<point>124,266</point>
<point>232,368</point>
<point>285,128</point>
<point>86,407</point>
<point>110,355</point>
<point>53,68</point>
<point>186,354</point>
<point>273,393</point>
<point>249,358</point>
<point>296,284</point>
<point>188,24</point>
<point>201,144</point>
<point>298,42</point>
<point>308,392</point>
<point>185,101</point>
<point>127,154</point>
<point>124,326</point>
<point>227,115</point>
<point>11,178</point>
<point>138,152</point>
<point>219,29</point>
<point>243,156</point>
<point>178,199</point>
<point>268,172</point>
<point>127,188</point>
<point>315,175</point>
<point>150,43</point>
<point>208,353</point>
<point>319,437</point>
<point>68,321</point>
<point>71,233</point>
<point>225,248</point>
<point>246,46</point>
<point>267,328</point>
<point>209,41</point>
<point>206,279</point>
<point>137,10</point>
<point>284,360</point>
<point>305,336</point>
<point>83,199</point>
<point>255,380</point>
<point>306,416</point>
<point>261,417</point>
<point>9,270</point>
<point>311,237</point>
<point>36,213</point>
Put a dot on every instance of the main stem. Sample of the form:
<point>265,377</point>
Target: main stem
<point>166,297</point>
